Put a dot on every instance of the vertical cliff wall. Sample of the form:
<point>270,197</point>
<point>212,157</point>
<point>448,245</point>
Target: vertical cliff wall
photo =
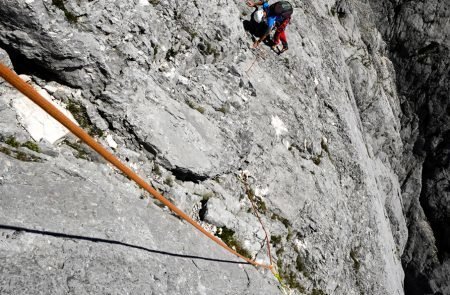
<point>418,34</point>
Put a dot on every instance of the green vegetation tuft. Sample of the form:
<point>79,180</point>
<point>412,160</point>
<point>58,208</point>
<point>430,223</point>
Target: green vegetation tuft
<point>283,220</point>
<point>168,181</point>
<point>318,292</point>
<point>5,150</point>
<point>224,109</point>
<point>288,277</point>
<point>31,146</point>
<point>19,155</point>
<point>207,196</point>
<point>72,18</point>
<point>276,240</point>
<point>157,170</point>
<point>12,142</point>
<point>198,108</point>
<point>81,151</point>
<point>80,114</point>
<point>227,236</point>
<point>22,157</point>
<point>259,203</point>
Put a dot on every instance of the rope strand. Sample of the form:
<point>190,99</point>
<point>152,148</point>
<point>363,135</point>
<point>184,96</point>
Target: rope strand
<point>32,94</point>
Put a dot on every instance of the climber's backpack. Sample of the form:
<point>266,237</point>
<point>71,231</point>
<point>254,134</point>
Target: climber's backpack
<point>281,8</point>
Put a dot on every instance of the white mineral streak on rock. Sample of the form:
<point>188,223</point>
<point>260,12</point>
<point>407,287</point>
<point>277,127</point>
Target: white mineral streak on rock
<point>278,125</point>
<point>110,141</point>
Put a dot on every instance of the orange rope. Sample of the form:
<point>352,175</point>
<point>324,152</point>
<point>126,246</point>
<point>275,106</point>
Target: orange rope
<point>32,94</point>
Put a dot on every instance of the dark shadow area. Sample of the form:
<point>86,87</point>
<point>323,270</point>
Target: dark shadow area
<point>416,283</point>
<point>37,68</point>
<point>112,242</point>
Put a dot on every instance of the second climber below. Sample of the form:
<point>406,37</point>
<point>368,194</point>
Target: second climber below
<point>277,16</point>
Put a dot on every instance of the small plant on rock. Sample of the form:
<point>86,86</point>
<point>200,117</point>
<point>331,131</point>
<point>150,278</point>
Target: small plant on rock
<point>12,142</point>
<point>31,146</point>
<point>227,236</point>
<point>168,181</point>
<point>80,114</point>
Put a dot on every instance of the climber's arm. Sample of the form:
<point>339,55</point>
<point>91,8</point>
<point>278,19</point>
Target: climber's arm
<point>252,3</point>
<point>270,25</point>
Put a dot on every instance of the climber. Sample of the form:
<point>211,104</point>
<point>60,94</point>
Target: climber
<point>278,16</point>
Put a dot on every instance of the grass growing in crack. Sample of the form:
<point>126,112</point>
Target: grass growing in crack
<point>227,236</point>
<point>224,109</point>
<point>283,220</point>
<point>12,142</point>
<point>276,240</point>
<point>72,18</point>
<point>318,292</point>
<point>157,170</point>
<point>287,277</point>
<point>259,203</point>
<point>198,108</point>
<point>80,114</point>
<point>5,150</point>
<point>19,155</point>
<point>22,157</point>
<point>168,181</point>
<point>207,196</point>
<point>81,152</point>
<point>31,146</point>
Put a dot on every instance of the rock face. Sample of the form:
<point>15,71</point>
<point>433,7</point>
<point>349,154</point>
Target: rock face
<point>342,138</point>
<point>418,33</point>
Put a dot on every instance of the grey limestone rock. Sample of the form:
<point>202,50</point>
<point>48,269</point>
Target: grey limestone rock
<point>336,138</point>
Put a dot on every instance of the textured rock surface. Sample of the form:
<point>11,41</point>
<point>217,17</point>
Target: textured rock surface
<point>334,136</point>
<point>419,34</point>
<point>86,231</point>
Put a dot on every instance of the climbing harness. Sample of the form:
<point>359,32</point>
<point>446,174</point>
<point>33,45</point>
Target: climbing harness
<point>32,94</point>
